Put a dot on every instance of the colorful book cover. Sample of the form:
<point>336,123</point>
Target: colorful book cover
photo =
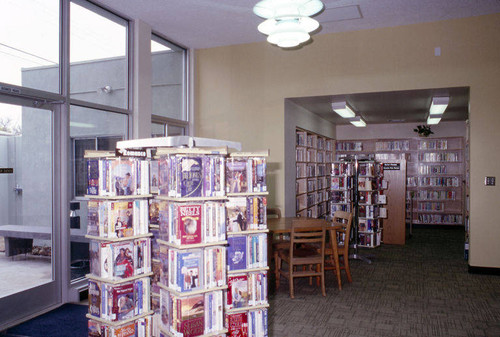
<point>121,219</point>
<point>154,212</point>
<point>123,177</point>
<point>191,177</point>
<point>123,299</point>
<point>189,217</point>
<point>237,324</point>
<point>189,270</point>
<point>164,265</point>
<point>123,261</point>
<point>163,176</point>
<point>128,330</point>
<point>236,212</point>
<point>163,220</point>
<point>259,171</point>
<point>94,257</point>
<point>192,315</point>
<point>94,299</point>
<point>93,176</point>
<point>237,252</point>
<point>237,293</point>
<point>95,329</point>
<point>93,217</point>
<point>154,176</point>
<point>236,175</point>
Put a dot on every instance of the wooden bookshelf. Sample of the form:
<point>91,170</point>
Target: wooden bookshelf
<point>435,174</point>
<point>314,154</point>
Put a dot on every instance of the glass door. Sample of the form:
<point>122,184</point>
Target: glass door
<point>29,240</point>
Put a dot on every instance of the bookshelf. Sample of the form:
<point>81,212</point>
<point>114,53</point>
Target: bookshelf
<point>314,153</point>
<point>191,220</point>
<point>246,302</point>
<point>120,245</point>
<point>435,174</point>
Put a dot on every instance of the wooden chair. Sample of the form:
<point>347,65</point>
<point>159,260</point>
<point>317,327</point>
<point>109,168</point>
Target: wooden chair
<point>305,232</point>
<point>273,213</point>
<point>337,250</point>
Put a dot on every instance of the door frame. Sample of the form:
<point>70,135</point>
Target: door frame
<point>26,304</point>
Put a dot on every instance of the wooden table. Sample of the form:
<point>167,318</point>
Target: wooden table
<point>283,226</point>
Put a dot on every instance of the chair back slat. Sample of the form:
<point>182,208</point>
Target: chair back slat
<point>344,219</point>
<point>308,231</point>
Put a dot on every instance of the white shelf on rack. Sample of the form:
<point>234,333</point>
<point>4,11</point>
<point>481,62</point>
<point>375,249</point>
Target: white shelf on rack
<point>190,293</point>
<point>125,238</point>
<point>118,281</point>
<point>119,323</point>
<point>250,270</point>
<point>196,245</point>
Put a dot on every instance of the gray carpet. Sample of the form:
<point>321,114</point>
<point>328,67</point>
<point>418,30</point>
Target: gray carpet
<point>421,289</point>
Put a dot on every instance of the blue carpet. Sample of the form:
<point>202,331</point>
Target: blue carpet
<point>66,321</point>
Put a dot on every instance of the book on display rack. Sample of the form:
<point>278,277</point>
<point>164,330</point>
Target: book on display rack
<point>120,247</point>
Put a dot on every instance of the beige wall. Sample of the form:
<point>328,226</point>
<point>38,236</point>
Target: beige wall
<point>240,92</point>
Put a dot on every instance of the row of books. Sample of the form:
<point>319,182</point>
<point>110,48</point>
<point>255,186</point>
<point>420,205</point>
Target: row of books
<point>440,218</point>
<point>431,195</point>
<point>119,302</point>
<point>341,183</point>
<point>438,157</point>
<point>119,260</point>
<point>117,219</point>
<point>433,181</point>
<point>187,176</point>
<point>184,223</point>
<point>340,207</point>
<point>247,252</point>
<point>372,211</point>
<point>368,225</point>
<point>349,146</point>
<point>342,168</point>
<point>192,315</point>
<point>341,196</point>
<point>246,175</point>
<point>431,206</point>
<point>246,213</point>
<point>246,290</point>
<point>370,169</point>
<point>117,177</point>
<point>140,327</point>
<point>252,323</point>
<point>195,269</point>
<point>370,239</point>
<point>432,169</point>
<point>397,145</point>
<point>372,197</point>
<point>371,183</point>
<point>324,144</point>
<point>437,144</point>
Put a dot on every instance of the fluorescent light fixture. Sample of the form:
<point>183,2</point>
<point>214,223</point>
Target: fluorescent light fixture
<point>438,105</point>
<point>433,120</point>
<point>357,122</point>
<point>343,110</point>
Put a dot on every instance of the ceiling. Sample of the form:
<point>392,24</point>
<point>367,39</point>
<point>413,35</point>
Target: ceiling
<point>391,107</point>
<point>211,23</point>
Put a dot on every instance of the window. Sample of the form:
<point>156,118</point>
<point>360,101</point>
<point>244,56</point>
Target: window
<point>92,129</point>
<point>98,56</point>
<point>29,53</point>
<point>169,84</point>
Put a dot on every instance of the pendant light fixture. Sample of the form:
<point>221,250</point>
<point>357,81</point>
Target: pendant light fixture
<point>288,22</point>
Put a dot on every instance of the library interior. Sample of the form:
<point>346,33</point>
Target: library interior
<point>235,168</point>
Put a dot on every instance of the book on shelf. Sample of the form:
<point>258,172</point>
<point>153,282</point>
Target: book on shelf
<point>186,270</point>
<point>246,213</point>
<point>117,177</point>
<point>119,302</point>
<point>237,252</point>
<point>120,260</point>
<point>246,290</point>
<point>257,323</point>
<point>139,327</point>
<point>247,252</point>
<point>193,315</point>
<point>117,219</point>
<point>188,175</point>
<point>154,175</point>
<point>246,173</point>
